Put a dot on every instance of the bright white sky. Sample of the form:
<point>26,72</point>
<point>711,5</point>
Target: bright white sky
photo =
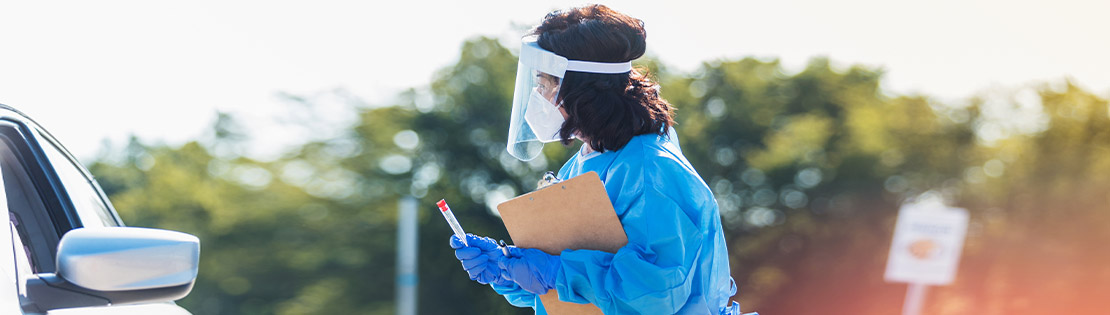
<point>94,70</point>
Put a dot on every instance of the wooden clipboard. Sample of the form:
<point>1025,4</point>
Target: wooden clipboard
<point>572,214</point>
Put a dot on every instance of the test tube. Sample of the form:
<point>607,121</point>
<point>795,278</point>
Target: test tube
<point>450,217</point>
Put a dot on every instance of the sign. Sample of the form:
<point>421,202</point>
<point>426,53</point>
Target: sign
<point>928,239</point>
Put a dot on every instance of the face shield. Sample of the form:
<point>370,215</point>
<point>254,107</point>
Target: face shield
<point>535,117</point>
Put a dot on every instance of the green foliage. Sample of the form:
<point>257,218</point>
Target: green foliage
<point>808,169</point>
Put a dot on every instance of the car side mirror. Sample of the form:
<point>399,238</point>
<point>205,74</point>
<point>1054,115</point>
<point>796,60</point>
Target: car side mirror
<point>116,265</point>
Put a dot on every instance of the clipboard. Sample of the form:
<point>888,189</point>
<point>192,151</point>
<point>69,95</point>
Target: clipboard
<point>572,214</point>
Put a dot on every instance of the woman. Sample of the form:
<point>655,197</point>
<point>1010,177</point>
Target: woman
<point>575,80</point>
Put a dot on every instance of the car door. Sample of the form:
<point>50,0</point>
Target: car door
<point>48,194</point>
<point>93,210</point>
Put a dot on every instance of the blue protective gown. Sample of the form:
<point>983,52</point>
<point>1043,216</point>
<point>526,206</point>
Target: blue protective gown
<point>675,262</point>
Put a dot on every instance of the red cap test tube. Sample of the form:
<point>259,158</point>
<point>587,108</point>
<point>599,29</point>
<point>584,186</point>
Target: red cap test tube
<point>450,217</point>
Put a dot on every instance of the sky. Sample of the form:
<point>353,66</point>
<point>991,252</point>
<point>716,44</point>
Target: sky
<point>96,72</point>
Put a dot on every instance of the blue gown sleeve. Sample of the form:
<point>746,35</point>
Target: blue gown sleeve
<point>649,275</point>
<point>515,295</point>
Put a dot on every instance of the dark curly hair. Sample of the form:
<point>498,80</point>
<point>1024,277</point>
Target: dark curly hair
<point>605,109</point>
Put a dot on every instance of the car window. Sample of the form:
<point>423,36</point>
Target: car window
<point>27,213</point>
<point>23,266</point>
<point>86,200</point>
<point>16,259</point>
<point>7,259</point>
<point>12,266</point>
<point>8,292</point>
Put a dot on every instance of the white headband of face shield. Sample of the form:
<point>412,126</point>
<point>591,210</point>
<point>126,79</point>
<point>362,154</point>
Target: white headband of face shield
<point>599,67</point>
<point>548,62</point>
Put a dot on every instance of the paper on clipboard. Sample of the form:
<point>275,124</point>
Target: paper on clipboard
<point>573,214</point>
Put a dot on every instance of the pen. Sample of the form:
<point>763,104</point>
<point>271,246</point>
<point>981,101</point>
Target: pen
<point>447,214</point>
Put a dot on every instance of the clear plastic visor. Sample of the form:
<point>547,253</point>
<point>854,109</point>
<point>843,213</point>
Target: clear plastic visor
<point>535,117</point>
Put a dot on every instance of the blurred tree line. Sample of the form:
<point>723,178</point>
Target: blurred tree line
<point>809,169</point>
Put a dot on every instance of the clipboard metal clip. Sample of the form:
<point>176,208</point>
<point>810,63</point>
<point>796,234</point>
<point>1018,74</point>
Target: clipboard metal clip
<point>548,179</point>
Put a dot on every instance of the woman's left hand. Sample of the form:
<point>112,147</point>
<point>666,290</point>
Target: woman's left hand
<point>533,269</point>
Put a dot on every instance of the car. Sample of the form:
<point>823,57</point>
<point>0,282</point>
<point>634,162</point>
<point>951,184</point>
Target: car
<point>65,250</point>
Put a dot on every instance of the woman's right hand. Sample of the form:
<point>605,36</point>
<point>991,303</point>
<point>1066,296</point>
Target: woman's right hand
<point>479,257</point>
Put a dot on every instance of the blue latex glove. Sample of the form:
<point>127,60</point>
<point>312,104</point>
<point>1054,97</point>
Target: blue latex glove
<point>532,269</point>
<point>479,258</point>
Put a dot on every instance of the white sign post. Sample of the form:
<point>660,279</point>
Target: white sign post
<point>928,239</point>
<point>408,242</point>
